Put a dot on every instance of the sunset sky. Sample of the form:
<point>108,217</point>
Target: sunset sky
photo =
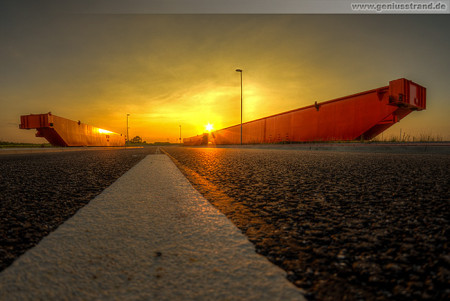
<point>170,70</point>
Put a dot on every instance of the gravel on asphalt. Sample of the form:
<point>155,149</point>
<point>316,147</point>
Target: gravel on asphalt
<point>347,226</point>
<point>38,192</point>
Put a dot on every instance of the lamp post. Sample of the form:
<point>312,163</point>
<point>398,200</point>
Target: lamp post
<point>180,134</point>
<point>240,71</point>
<point>128,137</point>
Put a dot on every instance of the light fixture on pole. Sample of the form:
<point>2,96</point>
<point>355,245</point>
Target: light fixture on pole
<point>240,71</point>
<point>128,138</point>
<point>180,133</point>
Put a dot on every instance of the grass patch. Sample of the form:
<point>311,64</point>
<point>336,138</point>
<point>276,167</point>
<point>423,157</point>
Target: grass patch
<point>409,138</point>
<point>6,144</point>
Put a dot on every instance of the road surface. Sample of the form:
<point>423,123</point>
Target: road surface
<point>360,225</point>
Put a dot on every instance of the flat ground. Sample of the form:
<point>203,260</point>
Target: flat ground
<point>343,225</point>
<point>39,191</point>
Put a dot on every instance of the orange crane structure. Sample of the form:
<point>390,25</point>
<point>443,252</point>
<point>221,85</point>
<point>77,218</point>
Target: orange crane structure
<point>360,116</point>
<point>60,131</point>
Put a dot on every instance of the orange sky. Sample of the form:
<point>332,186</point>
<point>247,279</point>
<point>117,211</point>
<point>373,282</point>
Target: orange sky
<point>171,70</point>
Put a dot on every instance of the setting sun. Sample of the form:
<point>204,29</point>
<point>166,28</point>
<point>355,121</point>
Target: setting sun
<point>209,127</point>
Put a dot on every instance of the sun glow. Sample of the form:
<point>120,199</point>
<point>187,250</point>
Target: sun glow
<point>209,127</point>
<point>102,131</point>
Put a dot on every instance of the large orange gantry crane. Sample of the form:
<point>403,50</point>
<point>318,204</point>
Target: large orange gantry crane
<point>60,131</point>
<point>361,116</point>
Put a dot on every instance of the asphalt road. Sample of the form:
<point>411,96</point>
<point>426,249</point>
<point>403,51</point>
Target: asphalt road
<point>343,225</point>
<point>40,191</point>
<point>349,226</point>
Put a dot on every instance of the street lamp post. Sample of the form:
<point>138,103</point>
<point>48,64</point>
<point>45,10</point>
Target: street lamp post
<point>128,137</point>
<point>180,133</point>
<point>240,71</point>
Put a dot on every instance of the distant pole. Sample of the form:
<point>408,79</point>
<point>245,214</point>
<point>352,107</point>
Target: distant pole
<point>128,137</point>
<point>240,71</point>
<point>180,133</point>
